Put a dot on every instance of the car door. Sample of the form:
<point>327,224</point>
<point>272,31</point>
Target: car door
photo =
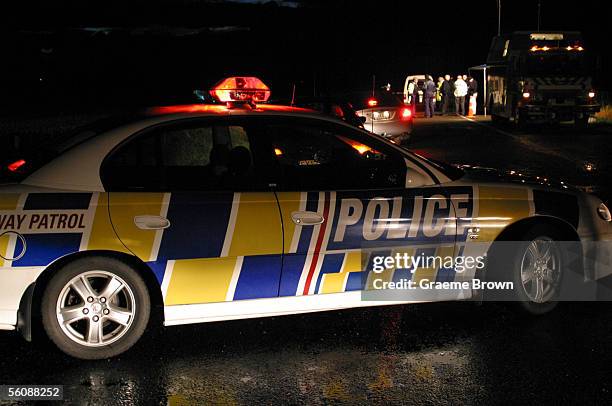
<point>187,198</point>
<point>345,199</point>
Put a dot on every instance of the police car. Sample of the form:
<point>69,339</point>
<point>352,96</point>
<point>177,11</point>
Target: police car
<point>243,209</point>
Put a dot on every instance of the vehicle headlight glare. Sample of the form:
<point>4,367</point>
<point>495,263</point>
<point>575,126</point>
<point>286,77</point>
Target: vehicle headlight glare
<point>604,212</point>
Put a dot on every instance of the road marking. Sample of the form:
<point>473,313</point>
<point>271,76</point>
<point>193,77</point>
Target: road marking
<point>488,126</point>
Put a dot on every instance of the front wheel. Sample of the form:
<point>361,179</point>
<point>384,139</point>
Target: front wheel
<point>538,272</point>
<point>520,121</point>
<point>95,308</point>
<point>536,265</point>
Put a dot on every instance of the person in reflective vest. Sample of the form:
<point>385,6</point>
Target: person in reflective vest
<point>439,93</point>
<point>413,93</point>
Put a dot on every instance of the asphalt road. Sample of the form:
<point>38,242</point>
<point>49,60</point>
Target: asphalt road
<point>444,353</point>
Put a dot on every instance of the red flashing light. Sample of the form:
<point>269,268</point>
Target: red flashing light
<point>359,147</point>
<point>216,109</point>
<point>406,113</point>
<point>188,108</point>
<point>16,165</point>
<point>372,102</point>
<point>241,89</point>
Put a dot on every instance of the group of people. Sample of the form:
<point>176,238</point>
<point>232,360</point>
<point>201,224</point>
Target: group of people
<point>463,90</point>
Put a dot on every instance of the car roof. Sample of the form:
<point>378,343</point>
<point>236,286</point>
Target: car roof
<point>88,155</point>
<point>222,109</point>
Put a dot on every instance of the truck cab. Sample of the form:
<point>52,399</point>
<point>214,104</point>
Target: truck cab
<point>540,78</point>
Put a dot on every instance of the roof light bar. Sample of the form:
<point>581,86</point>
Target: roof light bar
<point>245,89</point>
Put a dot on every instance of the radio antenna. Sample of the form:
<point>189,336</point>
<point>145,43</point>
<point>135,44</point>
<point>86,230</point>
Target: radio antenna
<point>373,84</point>
<point>293,95</point>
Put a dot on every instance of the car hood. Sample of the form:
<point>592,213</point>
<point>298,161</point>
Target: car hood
<point>518,176</point>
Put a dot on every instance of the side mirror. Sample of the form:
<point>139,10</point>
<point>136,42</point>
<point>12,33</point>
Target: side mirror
<point>362,119</point>
<point>200,94</point>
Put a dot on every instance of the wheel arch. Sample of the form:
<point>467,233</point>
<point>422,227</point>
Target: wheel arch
<point>29,308</point>
<point>521,226</point>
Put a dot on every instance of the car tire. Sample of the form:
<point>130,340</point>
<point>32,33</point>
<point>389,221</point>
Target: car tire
<point>95,308</point>
<point>519,120</point>
<point>535,263</point>
<point>581,123</point>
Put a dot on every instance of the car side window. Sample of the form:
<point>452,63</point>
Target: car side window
<point>183,157</point>
<point>319,157</point>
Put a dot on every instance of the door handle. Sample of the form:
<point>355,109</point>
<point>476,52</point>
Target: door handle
<point>151,222</point>
<point>306,218</point>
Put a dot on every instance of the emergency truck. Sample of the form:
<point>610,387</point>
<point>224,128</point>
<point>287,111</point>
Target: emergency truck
<point>540,78</point>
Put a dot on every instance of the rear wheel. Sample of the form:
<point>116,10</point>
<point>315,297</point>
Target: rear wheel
<point>581,123</point>
<point>95,308</point>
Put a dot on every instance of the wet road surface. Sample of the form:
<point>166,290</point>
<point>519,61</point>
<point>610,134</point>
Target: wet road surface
<point>443,353</point>
<point>560,152</point>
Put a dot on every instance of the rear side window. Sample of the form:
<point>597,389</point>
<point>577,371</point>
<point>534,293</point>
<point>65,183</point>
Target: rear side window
<point>40,144</point>
<point>183,157</point>
<point>189,147</point>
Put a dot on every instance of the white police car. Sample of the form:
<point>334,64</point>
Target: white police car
<point>218,212</point>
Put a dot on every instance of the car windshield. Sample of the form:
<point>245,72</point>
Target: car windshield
<point>453,172</point>
<point>384,99</point>
<point>564,62</point>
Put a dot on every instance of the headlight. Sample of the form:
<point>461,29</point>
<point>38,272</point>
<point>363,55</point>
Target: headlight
<point>604,212</point>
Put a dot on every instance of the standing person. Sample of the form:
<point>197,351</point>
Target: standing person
<point>473,94</point>
<point>447,93</point>
<point>467,99</point>
<point>439,93</point>
<point>429,90</point>
<point>461,90</point>
<point>413,92</point>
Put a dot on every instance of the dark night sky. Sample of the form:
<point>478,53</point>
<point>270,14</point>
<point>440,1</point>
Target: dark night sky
<point>155,54</point>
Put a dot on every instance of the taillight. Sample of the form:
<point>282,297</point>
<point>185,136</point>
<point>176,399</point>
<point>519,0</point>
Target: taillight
<point>406,113</point>
<point>372,102</point>
<point>16,165</point>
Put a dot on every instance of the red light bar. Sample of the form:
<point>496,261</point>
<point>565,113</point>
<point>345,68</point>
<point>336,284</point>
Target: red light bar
<point>241,89</point>
<point>372,102</point>
<point>16,165</point>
